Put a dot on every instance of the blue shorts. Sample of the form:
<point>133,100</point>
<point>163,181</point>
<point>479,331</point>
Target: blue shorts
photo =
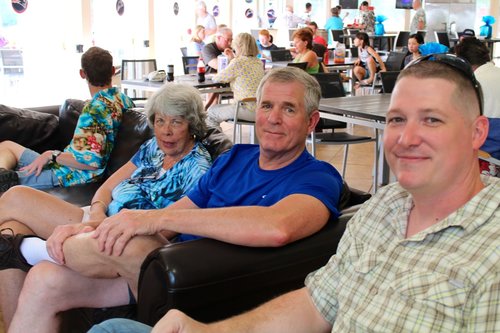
<point>46,179</point>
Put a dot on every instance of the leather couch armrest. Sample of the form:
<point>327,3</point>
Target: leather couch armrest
<point>35,129</point>
<point>211,280</point>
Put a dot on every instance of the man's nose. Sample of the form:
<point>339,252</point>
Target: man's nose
<point>411,134</point>
<point>275,115</point>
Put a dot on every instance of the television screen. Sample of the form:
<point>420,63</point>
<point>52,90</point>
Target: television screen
<point>404,4</point>
<point>349,4</point>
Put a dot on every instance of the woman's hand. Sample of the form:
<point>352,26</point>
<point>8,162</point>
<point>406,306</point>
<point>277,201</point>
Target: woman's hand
<point>37,165</point>
<point>59,235</point>
<point>229,53</point>
<point>115,232</point>
<point>97,215</point>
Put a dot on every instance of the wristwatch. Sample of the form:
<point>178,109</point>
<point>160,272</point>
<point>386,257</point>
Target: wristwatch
<point>55,154</point>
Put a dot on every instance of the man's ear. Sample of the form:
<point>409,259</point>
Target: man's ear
<point>313,121</point>
<point>480,131</point>
<point>82,74</point>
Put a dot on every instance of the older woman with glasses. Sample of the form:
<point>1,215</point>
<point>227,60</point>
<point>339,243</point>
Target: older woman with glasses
<point>159,174</point>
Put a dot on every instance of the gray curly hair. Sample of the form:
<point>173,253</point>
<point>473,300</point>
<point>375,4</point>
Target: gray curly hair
<point>178,100</point>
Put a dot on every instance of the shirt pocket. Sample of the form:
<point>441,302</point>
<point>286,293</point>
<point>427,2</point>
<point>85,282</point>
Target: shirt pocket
<point>433,288</point>
<point>363,258</point>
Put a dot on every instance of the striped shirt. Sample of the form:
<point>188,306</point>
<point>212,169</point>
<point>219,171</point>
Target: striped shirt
<point>442,279</point>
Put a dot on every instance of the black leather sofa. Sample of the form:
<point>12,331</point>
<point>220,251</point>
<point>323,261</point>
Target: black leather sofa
<point>207,279</point>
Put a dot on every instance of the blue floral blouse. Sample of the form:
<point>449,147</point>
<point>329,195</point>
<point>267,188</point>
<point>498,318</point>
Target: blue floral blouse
<point>152,187</point>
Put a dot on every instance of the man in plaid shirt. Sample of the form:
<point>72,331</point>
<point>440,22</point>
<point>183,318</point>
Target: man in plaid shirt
<point>423,254</point>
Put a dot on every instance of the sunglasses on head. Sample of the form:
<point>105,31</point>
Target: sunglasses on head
<point>459,65</point>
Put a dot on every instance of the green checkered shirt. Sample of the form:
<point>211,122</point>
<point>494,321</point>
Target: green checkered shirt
<point>443,279</point>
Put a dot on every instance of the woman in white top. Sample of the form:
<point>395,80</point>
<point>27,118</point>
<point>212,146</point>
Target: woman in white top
<point>366,65</point>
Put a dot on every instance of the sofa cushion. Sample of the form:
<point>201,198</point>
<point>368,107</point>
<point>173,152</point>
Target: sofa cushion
<point>68,117</point>
<point>216,142</point>
<point>29,128</point>
<point>133,132</point>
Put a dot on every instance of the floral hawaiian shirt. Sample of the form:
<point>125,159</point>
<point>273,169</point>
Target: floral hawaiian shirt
<point>94,137</point>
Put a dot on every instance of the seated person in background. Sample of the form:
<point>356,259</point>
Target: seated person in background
<point>267,195</point>
<point>316,38</point>
<point>196,44</point>
<point>366,65</point>
<point>160,173</point>
<point>243,73</point>
<point>84,159</point>
<point>221,45</point>
<point>333,23</point>
<point>478,55</point>
<point>414,41</point>
<point>302,52</point>
<point>422,254</point>
<point>265,44</point>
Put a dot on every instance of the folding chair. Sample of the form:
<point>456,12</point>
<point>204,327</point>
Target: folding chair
<point>189,64</point>
<point>442,38</point>
<point>239,123</point>
<point>401,43</point>
<point>331,87</point>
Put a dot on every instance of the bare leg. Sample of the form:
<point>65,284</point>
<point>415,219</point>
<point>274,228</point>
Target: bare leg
<point>36,210</point>
<point>10,153</point>
<point>359,72</point>
<point>82,255</point>
<point>50,289</point>
<point>28,211</point>
<point>11,283</point>
<point>211,98</point>
<point>372,67</point>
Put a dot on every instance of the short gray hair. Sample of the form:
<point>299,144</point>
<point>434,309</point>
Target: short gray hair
<point>289,74</point>
<point>178,100</point>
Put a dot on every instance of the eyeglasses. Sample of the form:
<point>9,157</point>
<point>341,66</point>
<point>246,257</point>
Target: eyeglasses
<point>173,123</point>
<point>459,65</point>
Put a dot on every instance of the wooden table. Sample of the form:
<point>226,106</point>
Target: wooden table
<point>369,111</point>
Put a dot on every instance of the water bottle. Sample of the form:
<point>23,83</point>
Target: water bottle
<point>200,69</point>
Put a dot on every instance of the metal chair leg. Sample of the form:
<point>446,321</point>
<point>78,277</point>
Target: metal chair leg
<point>344,161</point>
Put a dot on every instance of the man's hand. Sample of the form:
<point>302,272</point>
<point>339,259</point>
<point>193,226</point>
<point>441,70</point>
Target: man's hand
<point>114,233</point>
<point>228,52</point>
<point>37,165</point>
<point>177,322</point>
<point>61,233</point>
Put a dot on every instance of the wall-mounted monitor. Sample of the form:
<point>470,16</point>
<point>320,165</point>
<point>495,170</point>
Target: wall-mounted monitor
<point>404,4</point>
<point>349,4</point>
